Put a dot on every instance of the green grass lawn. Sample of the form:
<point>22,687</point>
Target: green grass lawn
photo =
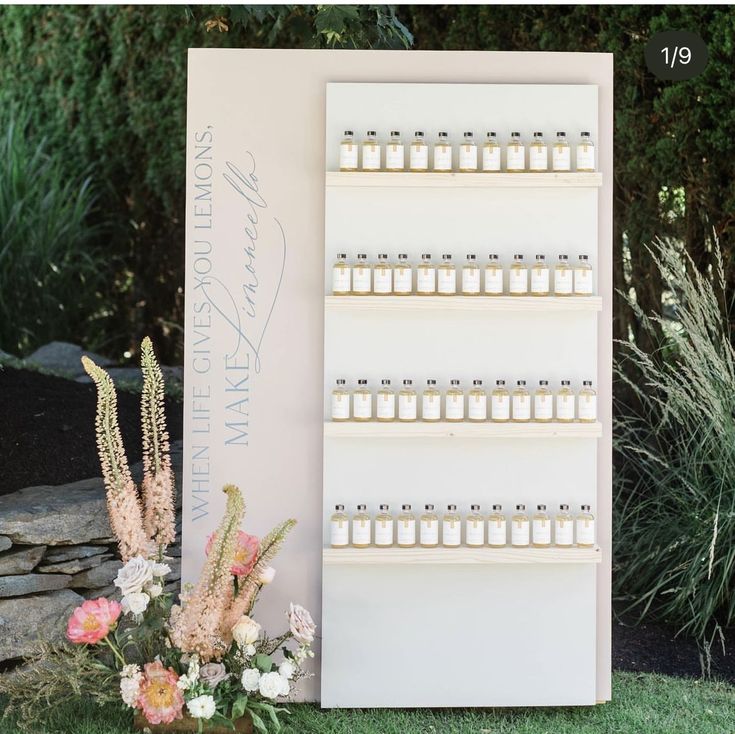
<point>642,704</point>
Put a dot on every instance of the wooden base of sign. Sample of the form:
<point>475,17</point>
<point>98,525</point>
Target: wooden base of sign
<point>187,724</point>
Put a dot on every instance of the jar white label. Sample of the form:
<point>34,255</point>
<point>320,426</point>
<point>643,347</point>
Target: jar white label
<point>539,280</point>
<point>426,280</point>
<point>516,160</point>
<point>565,407</point>
<point>455,407</point>
<point>477,407</point>
<point>563,280</point>
<point>518,280</point>
<point>563,532</point>
<point>402,280</point>
<point>587,407</point>
<point>585,532</point>
<point>561,158</point>
<point>446,280</point>
<point>371,157</point>
<point>542,532</point>
<point>519,532</point>
<point>339,533</point>
<point>407,532</point>
<point>442,157</point>
<point>521,407</point>
<point>341,280</point>
<point>494,281</point>
<point>471,280</point>
<point>496,533</point>
<point>431,407</point>
<point>340,407</point>
<point>361,280</point>
<point>468,157</point>
<point>362,406</point>
<point>543,407</point>
<point>419,157</point>
<point>451,532</point>
<point>384,532</point>
<point>386,406</point>
<point>583,281</point>
<point>382,280</point>
<point>429,532</point>
<point>586,157</point>
<point>407,407</point>
<point>491,158</point>
<point>394,158</point>
<point>500,407</point>
<point>538,158</point>
<point>361,532</point>
<point>348,155</point>
<point>475,532</point>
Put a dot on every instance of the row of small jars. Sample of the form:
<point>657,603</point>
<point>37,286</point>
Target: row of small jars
<point>470,158</point>
<point>516,406</point>
<point>384,278</point>
<point>479,530</point>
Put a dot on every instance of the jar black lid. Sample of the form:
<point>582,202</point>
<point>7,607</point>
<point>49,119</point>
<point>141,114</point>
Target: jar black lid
<point>493,256</point>
<point>383,507</point>
<point>340,381</point>
<point>540,507</point>
<point>371,132</point>
<point>469,134</point>
<point>566,382</point>
<point>394,132</point>
<point>426,256</point>
<point>362,256</point>
<point>543,382</point>
<point>339,507</point>
<point>541,257</point>
<point>431,382</point>
<point>584,257</point>
<point>491,134</point>
<point>520,382</point>
<point>516,134</point>
<point>342,255</point>
<point>385,382</point>
<point>561,133</point>
<point>584,132</point>
<point>538,135</point>
<point>477,382</point>
<point>520,507</point>
<point>419,134</point>
<point>452,507</point>
<point>408,382</point>
<point>586,508</point>
<point>349,132</point>
<point>587,382</point>
<point>446,257</point>
<point>403,256</point>
<point>454,382</point>
<point>362,382</point>
<point>500,382</point>
<point>362,507</point>
<point>564,257</point>
<point>471,257</point>
<point>428,507</point>
<point>405,507</point>
<point>564,507</point>
<point>518,257</point>
<point>474,507</point>
<point>382,256</point>
<point>443,135</point>
<point>497,507</point>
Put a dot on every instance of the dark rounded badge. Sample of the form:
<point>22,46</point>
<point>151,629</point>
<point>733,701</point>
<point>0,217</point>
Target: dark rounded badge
<point>676,55</point>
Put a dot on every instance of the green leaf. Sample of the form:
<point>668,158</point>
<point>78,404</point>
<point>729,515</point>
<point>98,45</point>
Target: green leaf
<point>239,707</point>
<point>264,663</point>
<point>258,723</point>
<point>223,721</point>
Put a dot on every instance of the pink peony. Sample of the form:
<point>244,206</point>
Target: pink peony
<point>160,698</point>
<point>92,621</point>
<point>246,553</point>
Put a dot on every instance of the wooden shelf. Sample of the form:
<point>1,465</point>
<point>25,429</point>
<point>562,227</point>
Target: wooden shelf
<point>377,179</point>
<point>444,429</point>
<point>454,556</point>
<point>545,304</point>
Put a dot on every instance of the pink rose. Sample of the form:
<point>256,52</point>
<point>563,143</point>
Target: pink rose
<point>246,553</point>
<point>91,622</point>
<point>301,624</point>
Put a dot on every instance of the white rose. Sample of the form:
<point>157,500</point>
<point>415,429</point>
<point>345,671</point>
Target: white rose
<point>287,669</point>
<point>154,590</point>
<point>249,650</point>
<point>160,569</point>
<point>267,575</point>
<point>250,679</point>
<point>301,623</point>
<point>285,687</point>
<point>129,689</point>
<point>271,685</point>
<point>135,603</point>
<point>134,575</point>
<point>246,631</point>
<point>201,707</point>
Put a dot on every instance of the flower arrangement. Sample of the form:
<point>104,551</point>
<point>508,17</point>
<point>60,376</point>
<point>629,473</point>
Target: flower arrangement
<point>204,660</point>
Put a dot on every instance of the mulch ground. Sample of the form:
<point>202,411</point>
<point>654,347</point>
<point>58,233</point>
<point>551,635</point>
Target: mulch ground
<point>47,429</point>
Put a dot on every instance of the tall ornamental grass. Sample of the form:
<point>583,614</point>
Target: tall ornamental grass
<point>51,271</point>
<point>675,499</point>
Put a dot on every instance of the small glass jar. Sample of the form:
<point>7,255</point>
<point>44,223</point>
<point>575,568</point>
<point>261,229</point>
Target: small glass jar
<point>543,403</point>
<point>406,531</point>
<point>384,528</point>
<point>382,276</point>
<point>443,154</point>
<point>362,277</point>
<point>563,277</point>
<point>583,277</point>
<point>587,403</point>
<point>452,528</point>
<point>500,403</point>
<point>540,277</point>
<point>519,528</point>
<point>429,528</point>
<point>585,526</point>
<point>339,528</point>
<point>541,528</point>
<point>474,530</point>
<point>521,403</point>
<point>446,277</point>
<point>565,403</point>
<point>362,402</point>
<point>340,402</point>
<point>431,402</point>
<point>564,528</point>
<point>395,160</point>
<point>454,403</point>
<point>518,277</point>
<point>491,154</point>
<point>493,277</point>
<point>341,276</point>
<point>497,533</point>
<point>586,153</point>
<point>402,277</point>
<point>371,152</point>
<point>362,536</point>
<point>515,154</point>
<point>477,402</point>
<point>348,152</point>
<point>538,154</point>
<point>418,155</point>
<point>561,157</point>
<point>426,277</point>
<point>407,402</point>
<point>385,406</point>
<point>471,277</point>
<point>468,154</point>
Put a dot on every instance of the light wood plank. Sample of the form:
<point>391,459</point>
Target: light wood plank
<point>463,303</point>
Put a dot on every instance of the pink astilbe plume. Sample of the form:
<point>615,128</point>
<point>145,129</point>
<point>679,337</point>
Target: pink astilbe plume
<point>158,479</point>
<point>123,505</point>
<point>199,624</point>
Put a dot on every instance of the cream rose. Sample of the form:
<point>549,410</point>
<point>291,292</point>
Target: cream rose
<point>135,603</point>
<point>267,575</point>
<point>250,679</point>
<point>301,623</point>
<point>270,685</point>
<point>134,575</point>
<point>246,631</point>
<point>287,669</point>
